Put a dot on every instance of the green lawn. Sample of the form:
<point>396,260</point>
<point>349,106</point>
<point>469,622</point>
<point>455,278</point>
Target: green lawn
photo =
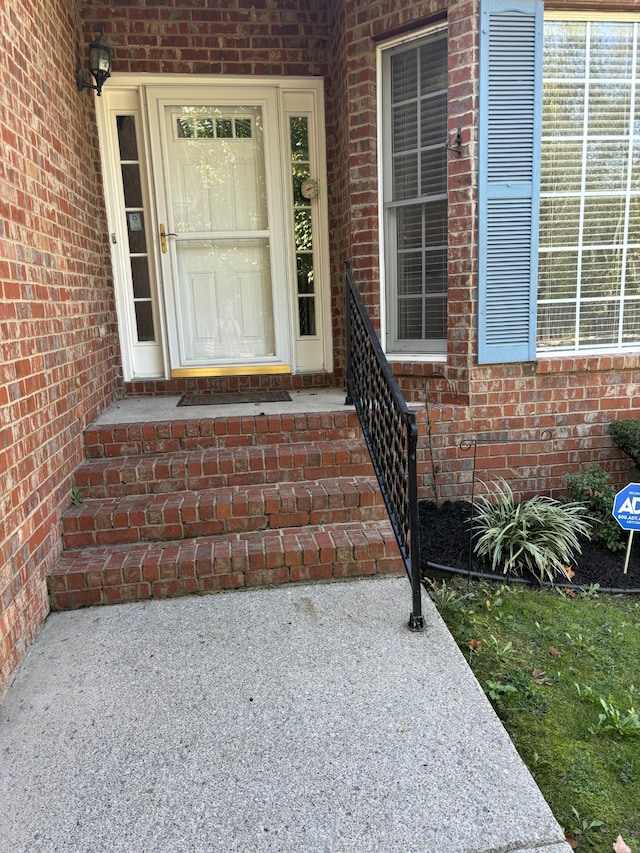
<point>563,673</point>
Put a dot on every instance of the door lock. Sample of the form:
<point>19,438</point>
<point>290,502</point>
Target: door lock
<point>163,237</point>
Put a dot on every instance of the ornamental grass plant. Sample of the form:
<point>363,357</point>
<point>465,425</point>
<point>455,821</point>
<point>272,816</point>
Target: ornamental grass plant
<point>539,536</point>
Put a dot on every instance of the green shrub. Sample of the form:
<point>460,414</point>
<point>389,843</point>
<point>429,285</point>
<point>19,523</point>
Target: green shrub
<point>539,535</point>
<point>592,488</point>
<point>626,436</point>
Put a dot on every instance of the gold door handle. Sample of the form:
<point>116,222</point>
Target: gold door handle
<point>163,237</point>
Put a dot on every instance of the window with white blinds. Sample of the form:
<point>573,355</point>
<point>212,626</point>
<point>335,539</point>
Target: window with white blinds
<point>414,124</point>
<point>589,228</point>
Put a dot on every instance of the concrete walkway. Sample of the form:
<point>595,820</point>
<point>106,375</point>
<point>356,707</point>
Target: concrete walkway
<point>302,718</point>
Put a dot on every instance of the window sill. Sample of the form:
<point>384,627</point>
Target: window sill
<point>401,358</point>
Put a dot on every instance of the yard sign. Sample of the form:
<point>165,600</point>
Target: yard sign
<point>626,511</point>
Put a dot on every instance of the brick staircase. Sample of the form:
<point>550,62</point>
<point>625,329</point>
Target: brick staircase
<point>179,507</point>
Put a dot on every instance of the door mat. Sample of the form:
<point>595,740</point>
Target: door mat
<point>222,398</point>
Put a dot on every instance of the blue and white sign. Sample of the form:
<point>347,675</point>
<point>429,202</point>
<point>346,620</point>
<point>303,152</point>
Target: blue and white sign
<point>626,507</point>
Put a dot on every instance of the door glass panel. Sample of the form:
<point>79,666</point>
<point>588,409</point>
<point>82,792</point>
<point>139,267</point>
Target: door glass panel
<point>144,321</point>
<point>217,175</point>
<point>218,203</point>
<point>134,211</point>
<point>303,193</point>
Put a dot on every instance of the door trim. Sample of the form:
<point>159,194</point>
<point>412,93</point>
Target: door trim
<point>291,93</point>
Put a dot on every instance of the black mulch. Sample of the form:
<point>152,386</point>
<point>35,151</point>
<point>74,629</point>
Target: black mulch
<point>444,539</point>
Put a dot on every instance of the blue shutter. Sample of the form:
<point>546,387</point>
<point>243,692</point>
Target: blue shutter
<point>510,115</point>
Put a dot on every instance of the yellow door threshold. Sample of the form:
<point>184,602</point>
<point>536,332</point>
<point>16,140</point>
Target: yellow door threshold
<point>249,370</point>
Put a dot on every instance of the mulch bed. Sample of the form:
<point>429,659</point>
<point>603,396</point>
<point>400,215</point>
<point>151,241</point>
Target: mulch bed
<point>445,540</point>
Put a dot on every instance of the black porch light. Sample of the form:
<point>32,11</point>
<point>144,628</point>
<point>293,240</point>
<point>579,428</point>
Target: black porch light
<point>99,65</point>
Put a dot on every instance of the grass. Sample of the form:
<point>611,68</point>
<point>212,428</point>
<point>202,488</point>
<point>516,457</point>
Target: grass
<point>563,674</point>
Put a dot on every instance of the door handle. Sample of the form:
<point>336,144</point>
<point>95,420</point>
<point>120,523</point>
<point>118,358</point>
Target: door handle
<point>163,237</point>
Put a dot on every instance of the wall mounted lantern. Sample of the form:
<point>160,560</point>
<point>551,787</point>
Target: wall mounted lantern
<point>99,65</point>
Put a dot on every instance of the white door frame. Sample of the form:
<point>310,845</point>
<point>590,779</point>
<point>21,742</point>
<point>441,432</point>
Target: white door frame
<point>294,96</point>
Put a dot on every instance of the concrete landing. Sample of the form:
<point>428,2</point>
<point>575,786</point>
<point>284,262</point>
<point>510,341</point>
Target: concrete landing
<point>301,718</point>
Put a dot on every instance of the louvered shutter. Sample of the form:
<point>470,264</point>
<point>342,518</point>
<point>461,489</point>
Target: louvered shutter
<point>509,178</point>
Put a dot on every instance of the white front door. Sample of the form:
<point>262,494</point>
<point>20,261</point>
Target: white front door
<point>234,228</point>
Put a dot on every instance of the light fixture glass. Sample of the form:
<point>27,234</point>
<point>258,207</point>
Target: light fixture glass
<point>99,65</point>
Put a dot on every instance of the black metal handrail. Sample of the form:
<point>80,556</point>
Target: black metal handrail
<point>390,433</point>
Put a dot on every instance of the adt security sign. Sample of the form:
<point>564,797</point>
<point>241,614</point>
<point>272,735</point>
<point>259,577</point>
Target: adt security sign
<point>626,507</point>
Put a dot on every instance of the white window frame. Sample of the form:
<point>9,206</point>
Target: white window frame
<point>410,351</point>
<point>620,345</point>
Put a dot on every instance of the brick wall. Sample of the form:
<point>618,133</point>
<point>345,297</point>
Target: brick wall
<point>56,371</point>
<point>260,37</point>
<point>533,422</point>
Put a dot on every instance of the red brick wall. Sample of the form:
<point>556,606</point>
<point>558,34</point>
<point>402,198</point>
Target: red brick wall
<point>56,371</point>
<point>533,422</point>
<point>260,37</point>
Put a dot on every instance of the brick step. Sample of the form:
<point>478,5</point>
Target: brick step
<point>211,468</point>
<point>214,512</point>
<point>134,439</point>
<point>106,575</point>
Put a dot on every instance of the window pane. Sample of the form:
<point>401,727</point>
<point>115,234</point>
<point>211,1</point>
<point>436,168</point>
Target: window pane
<point>557,275</point>
<point>405,177</point>
<point>434,120</point>
<point>299,173</point>
<point>131,185</point>
<point>601,272</point>
<point>599,324</point>
<point>224,128</point>
<point>611,50</point>
<point>635,166</point>
<point>563,108</point>
<point>559,221</point>
<point>137,240</point>
<point>435,270</point>
<point>410,319</point>
<point>632,278</point>
<point>604,220</point>
<point>607,166</point>
<point>307,317</point>
<point>631,324</point>
<point>184,128</point>
<point>204,128</point>
<point>433,67</point>
<point>435,223</point>
<point>410,273</point>
<point>435,325</point>
<point>561,167</point>
<point>140,276</point>
<point>144,321</point>
<point>434,171</point>
<point>299,130</point>
<point>302,229</point>
<point>304,269</point>
<point>404,76</point>
<point>564,49</point>
<point>557,326</point>
<point>609,109</point>
<point>127,137</point>
<point>243,128</point>
<point>405,128</point>
<point>410,227</point>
